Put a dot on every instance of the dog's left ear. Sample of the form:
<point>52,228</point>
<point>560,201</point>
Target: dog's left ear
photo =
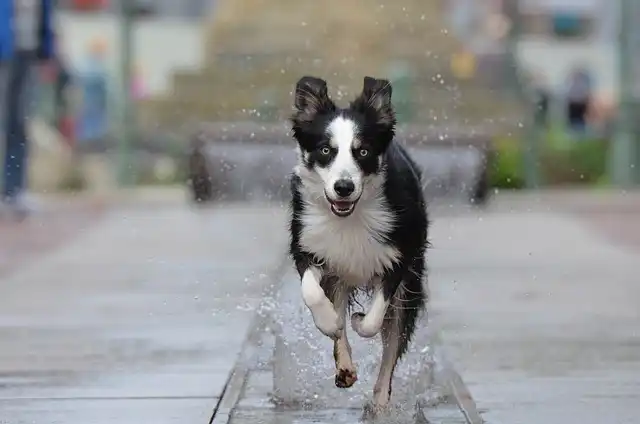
<point>376,98</point>
<point>377,93</point>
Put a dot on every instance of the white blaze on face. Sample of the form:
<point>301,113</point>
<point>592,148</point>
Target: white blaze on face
<point>342,136</point>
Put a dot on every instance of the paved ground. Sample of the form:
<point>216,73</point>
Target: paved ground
<point>293,366</point>
<point>56,223</point>
<point>539,308</point>
<point>138,319</point>
<point>609,213</point>
<point>535,303</point>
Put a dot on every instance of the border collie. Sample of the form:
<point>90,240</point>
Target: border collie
<point>358,222</point>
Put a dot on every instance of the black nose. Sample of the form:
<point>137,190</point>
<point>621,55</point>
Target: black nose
<point>344,187</point>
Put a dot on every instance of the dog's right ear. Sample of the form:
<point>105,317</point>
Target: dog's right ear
<point>311,96</point>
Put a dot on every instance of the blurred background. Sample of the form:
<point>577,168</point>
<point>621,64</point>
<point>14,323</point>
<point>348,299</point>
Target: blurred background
<point>547,87</point>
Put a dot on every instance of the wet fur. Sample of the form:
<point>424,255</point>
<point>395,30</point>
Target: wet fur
<point>392,223</point>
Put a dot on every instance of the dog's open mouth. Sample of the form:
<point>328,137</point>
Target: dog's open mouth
<point>342,208</point>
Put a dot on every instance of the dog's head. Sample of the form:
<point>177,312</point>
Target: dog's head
<point>343,148</point>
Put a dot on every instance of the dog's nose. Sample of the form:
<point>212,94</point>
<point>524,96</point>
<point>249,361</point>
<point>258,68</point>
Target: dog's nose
<point>344,187</point>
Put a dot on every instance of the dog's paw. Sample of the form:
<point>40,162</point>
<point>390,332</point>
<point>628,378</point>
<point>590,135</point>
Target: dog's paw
<point>327,320</point>
<point>346,378</point>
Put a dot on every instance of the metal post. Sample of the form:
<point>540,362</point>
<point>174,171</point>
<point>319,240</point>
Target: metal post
<point>126,130</point>
<point>532,132</point>
<point>623,150</point>
<point>533,138</point>
<point>511,9</point>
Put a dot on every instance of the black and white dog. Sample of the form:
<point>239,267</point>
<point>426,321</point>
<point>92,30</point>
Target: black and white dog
<point>358,222</point>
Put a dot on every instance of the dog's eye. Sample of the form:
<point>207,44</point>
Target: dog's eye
<point>325,150</point>
<point>363,152</point>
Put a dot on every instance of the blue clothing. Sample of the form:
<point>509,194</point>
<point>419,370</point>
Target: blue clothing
<point>17,106</point>
<point>92,120</point>
<point>45,48</point>
<point>16,66</point>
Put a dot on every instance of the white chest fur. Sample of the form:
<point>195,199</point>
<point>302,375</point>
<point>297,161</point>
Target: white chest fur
<point>351,246</point>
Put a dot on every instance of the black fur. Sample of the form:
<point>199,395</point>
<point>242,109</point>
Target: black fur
<point>403,191</point>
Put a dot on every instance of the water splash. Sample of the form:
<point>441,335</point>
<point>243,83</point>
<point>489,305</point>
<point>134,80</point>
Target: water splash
<point>304,366</point>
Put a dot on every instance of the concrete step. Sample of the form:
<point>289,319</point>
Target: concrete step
<point>255,56</point>
<point>255,20</point>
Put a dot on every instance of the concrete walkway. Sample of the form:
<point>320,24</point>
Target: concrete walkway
<point>141,318</point>
<point>52,225</point>
<point>540,312</point>
<point>536,308</point>
<point>138,320</point>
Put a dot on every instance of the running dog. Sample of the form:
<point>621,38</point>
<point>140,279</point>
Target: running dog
<point>358,222</point>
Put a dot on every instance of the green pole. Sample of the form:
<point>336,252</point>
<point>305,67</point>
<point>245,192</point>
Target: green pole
<point>532,131</point>
<point>126,128</point>
<point>623,152</point>
<point>513,35</point>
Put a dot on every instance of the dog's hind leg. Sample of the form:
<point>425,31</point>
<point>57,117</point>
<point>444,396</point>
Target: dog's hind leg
<point>397,330</point>
<point>346,374</point>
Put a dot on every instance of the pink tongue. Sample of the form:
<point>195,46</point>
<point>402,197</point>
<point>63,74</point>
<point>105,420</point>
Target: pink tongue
<point>342,205</point>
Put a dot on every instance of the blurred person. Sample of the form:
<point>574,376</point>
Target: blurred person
<point>93,82</point>
<point>578,97</point>
<point>26,40</point>
<point>199,168</point>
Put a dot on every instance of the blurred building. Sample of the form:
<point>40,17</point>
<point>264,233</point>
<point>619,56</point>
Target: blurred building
<point>241,59</point>
<point>254,53</point>
<point>161,24</point>
<point>191,9</point>
<point>481,27</point>
<point>555,36</point>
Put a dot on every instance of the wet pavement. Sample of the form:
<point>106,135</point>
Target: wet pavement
<point>288,378</point>
<point>539,309</point>
<point>138,319</point>
<point>54,223</point>
<point>534,311</point>
<point>144,317</point>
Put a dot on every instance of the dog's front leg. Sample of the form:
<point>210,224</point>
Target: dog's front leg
<point>324,314</point>
<point>346,374</point>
